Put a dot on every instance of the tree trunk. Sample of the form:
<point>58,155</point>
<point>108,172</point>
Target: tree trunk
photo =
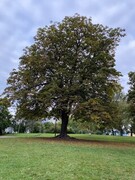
<point>113,132</point>
<point>0,131</point>
<point>64,118</point>
<point>131,131</point>
<point>121,132</point>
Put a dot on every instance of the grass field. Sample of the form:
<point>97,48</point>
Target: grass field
<point>33,157</point>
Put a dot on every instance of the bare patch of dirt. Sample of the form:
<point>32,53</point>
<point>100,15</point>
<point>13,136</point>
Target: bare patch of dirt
<point>84,142</point>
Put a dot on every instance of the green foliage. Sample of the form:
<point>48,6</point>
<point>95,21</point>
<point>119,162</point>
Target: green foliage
<point>5,115</point>
<point>131,100</point>
<point>82,127</point>
<point>36,126</point>
<point>49,127</point>
<point>70,67</point>
<point>120,112</point>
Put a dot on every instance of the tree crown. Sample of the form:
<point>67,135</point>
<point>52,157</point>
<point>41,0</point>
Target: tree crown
<point>70,65</point>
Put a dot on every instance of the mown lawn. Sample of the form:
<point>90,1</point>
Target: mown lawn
<point>90,137</point>
<point>41,159</point>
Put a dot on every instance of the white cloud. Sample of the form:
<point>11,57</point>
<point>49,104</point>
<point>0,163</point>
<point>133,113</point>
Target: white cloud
<point>125,56</point>
<point>123,81</point>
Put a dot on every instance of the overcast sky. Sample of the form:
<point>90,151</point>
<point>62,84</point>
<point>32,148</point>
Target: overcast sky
<point>20,19</point>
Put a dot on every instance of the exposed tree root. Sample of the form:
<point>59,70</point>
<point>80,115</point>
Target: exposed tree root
<point>65,136</point>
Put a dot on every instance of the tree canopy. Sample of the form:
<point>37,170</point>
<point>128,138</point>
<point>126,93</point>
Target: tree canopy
<point>69,70</point>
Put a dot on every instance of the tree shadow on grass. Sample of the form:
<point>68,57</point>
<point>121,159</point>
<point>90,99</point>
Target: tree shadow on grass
<point>85,141</point>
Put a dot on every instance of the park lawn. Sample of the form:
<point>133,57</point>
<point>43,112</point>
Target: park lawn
<point>91,137</point>
<point>41,159</point>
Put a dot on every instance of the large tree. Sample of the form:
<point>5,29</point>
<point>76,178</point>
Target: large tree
<point>70,67</point>
<point>131,100</point>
